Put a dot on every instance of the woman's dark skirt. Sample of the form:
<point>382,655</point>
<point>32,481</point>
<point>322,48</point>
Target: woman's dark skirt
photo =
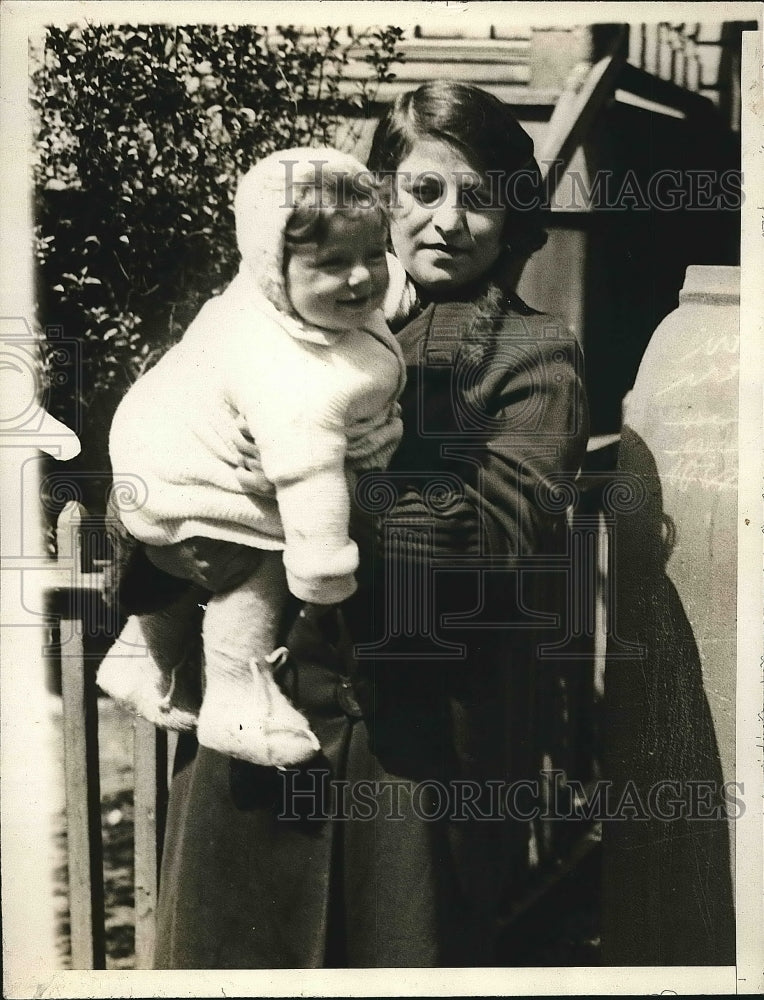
<point>365,857</point>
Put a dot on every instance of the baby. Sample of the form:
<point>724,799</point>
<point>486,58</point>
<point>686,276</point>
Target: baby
<point>297,348</point>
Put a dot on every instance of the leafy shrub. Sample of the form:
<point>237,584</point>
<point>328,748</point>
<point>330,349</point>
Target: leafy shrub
<point>141,134</point>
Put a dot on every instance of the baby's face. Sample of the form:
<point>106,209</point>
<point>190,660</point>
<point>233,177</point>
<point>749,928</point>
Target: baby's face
<point>337,284</point>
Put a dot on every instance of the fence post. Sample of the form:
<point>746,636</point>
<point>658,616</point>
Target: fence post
<point>149,811</point>
<point>82,781</point>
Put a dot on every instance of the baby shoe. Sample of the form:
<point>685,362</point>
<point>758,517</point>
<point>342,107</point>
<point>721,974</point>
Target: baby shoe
<point>130,675</point>
<point>249,717</point>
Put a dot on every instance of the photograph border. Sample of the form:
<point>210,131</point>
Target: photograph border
<point>29,954</point>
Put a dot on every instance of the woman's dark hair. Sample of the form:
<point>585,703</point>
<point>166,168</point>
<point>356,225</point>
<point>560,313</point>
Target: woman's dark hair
<point>484,129</point>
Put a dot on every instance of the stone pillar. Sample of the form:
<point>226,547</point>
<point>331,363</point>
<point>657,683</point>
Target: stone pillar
<point>670,709</point>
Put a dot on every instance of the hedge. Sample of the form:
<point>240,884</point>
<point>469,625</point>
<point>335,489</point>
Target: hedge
<point>141,133</point>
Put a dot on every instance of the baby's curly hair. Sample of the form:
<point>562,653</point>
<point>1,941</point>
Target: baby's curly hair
<point>333,192</point>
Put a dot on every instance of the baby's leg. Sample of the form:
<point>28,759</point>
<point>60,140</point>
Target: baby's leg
<point>244,713</point>
<point>153,669</point>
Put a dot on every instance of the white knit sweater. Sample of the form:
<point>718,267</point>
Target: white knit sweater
<point>318,404</point>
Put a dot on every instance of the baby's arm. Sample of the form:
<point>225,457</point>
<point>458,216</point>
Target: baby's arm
<point>319,557</point>
<point>302,446</point>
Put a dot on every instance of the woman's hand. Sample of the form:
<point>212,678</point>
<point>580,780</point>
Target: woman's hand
<point>319,635</point>
<point>249,472</point>
<point>216,565</point>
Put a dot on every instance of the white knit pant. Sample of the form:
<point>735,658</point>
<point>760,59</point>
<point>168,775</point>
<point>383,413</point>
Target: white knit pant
<point>244,622</point>
<point>243,714</point>
<point>238,624</point>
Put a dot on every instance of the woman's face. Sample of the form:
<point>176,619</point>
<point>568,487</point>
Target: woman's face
<point>444,228</point>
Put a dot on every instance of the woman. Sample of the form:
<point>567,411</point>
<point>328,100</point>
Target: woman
<point>390,848</point>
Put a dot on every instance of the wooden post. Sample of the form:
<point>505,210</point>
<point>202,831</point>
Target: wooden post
<point>679,44</point>
<point>692,66</point>
<point>83,794</point>
<point>149,811</point>
<point>636,44</point>
<point>665,53</point>
<point>650,48</point>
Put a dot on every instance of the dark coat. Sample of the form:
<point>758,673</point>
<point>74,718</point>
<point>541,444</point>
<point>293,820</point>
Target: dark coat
<point>254,876</point>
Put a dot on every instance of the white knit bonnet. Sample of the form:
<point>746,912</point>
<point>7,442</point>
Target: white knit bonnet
<point>264,202</point>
